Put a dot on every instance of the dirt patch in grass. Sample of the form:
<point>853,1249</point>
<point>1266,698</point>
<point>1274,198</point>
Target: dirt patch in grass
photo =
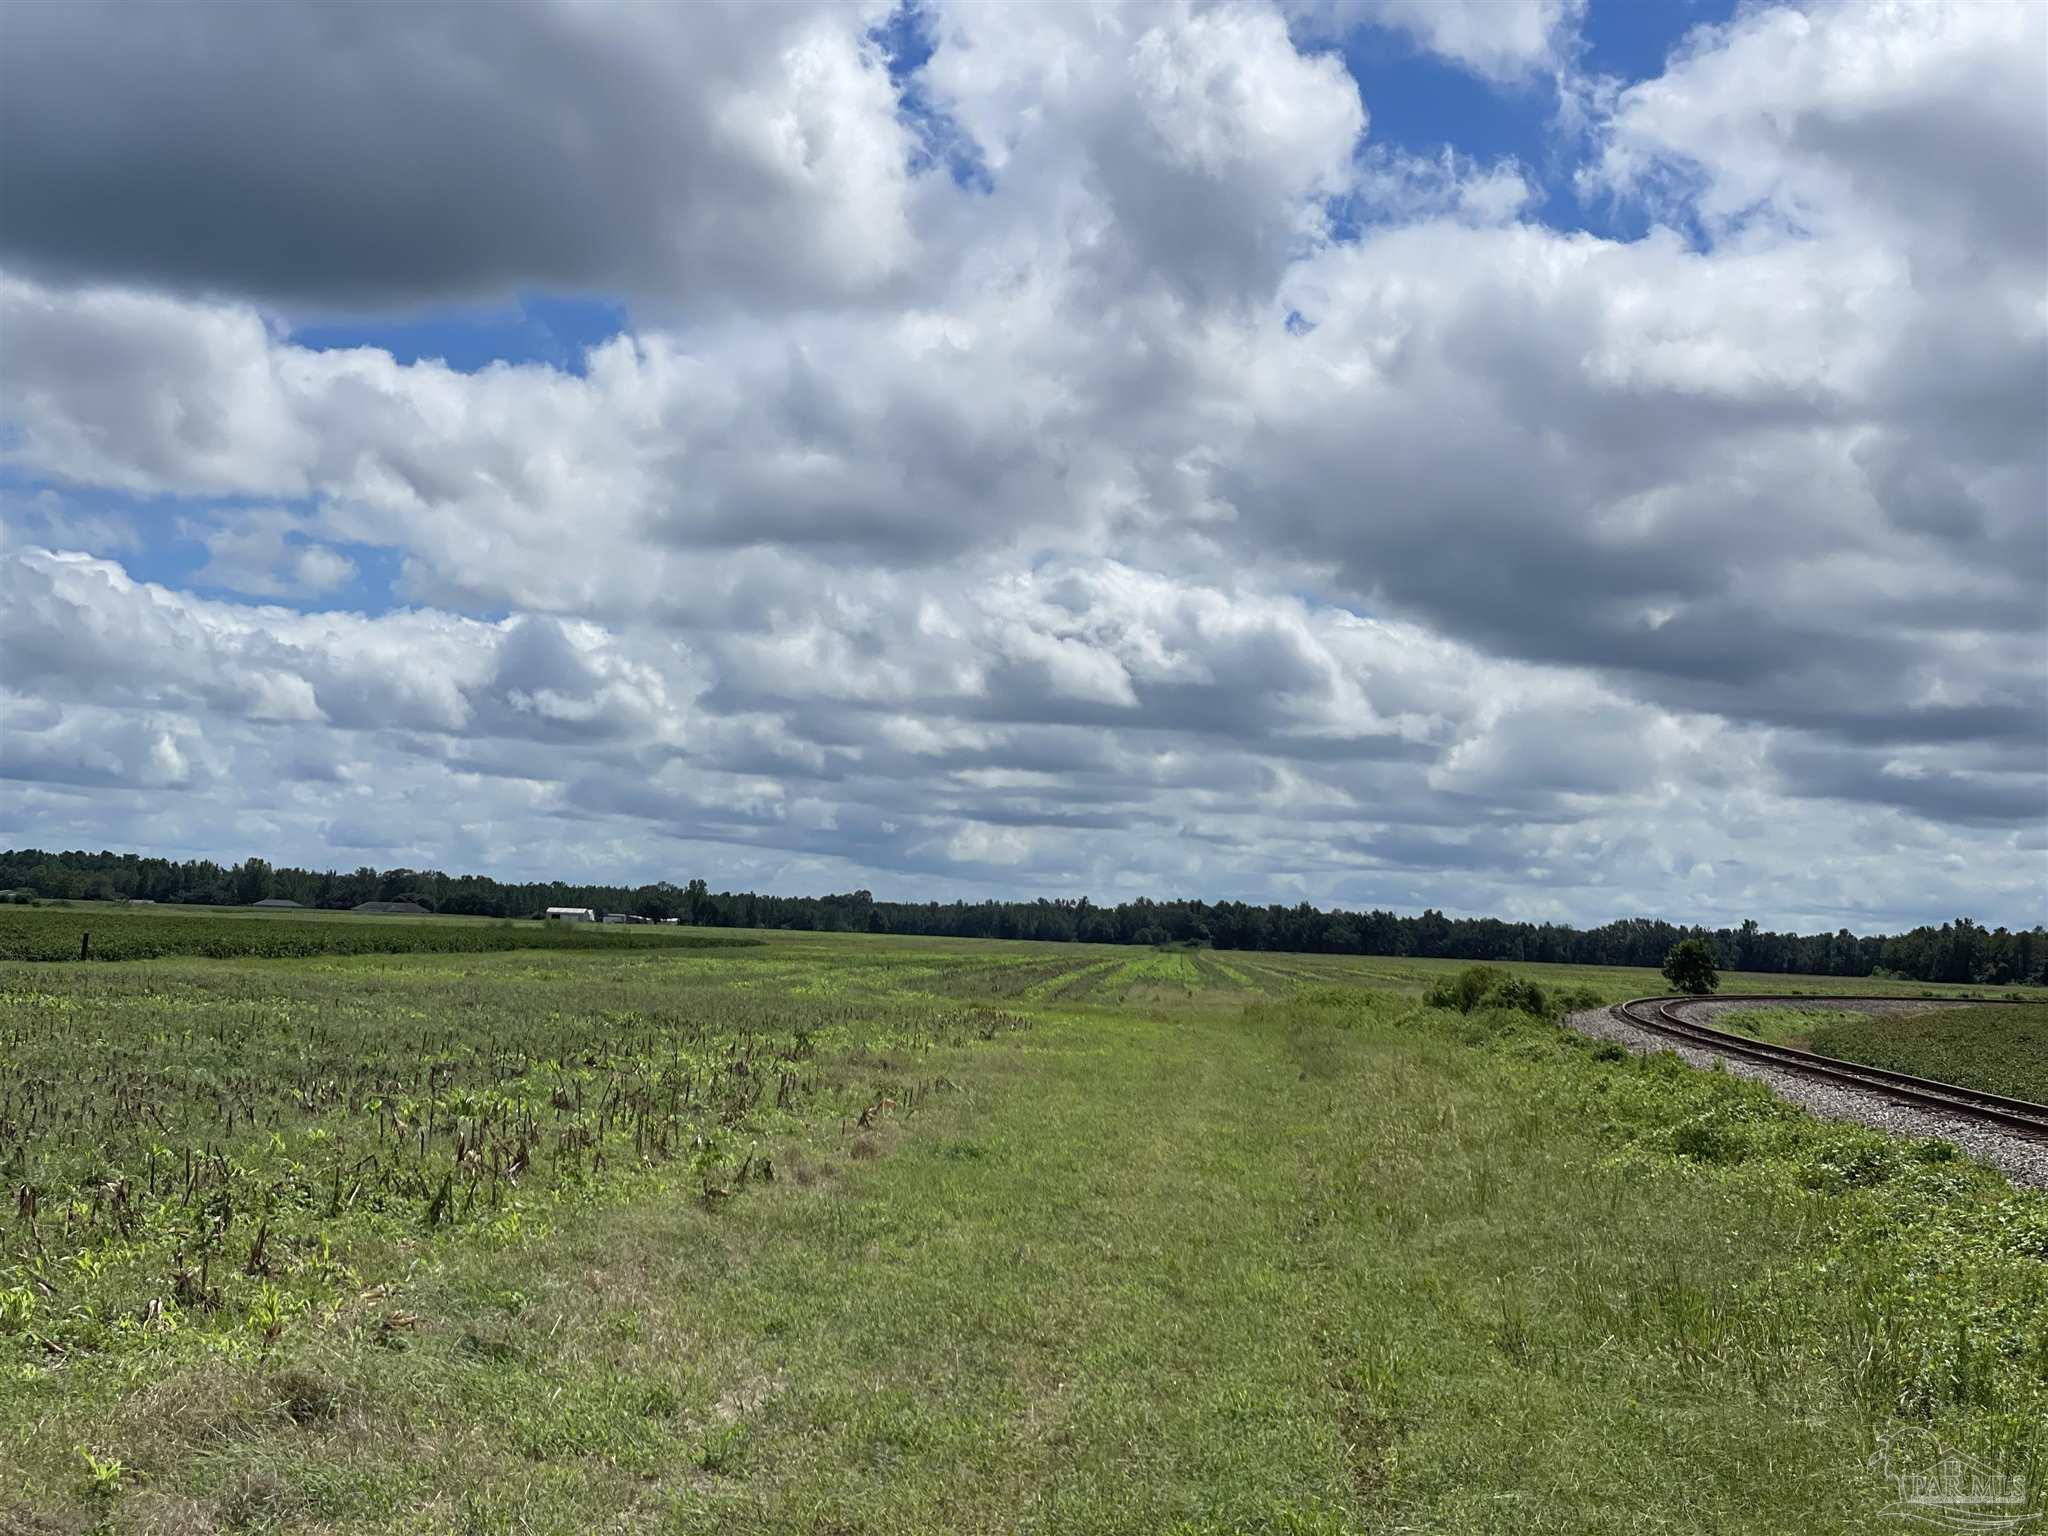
<point>748,1397</point>
<point>27,1520</point>
<point>307,1398</point>
<point>201,1405</point>
<point>804,1170</point>
<point>153,1512</point>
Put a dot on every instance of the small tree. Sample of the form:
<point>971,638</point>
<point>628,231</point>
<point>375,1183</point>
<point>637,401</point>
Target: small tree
<point>252,881</point>
<point>1690,967</point>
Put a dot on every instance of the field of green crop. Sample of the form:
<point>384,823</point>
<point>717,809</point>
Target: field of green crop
<point>114,933</point>
<point>852,1234</point>
<point>2002,1049</point>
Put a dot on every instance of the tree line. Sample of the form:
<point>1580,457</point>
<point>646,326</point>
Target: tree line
<point>1960,951</point>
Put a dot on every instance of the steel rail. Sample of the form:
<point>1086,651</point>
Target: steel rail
<point>1658,1014</point>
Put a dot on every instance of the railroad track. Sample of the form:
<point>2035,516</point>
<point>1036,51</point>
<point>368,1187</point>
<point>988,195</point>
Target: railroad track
<point>1660,1014</point>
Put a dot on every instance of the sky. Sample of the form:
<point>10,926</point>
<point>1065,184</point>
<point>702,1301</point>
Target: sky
<point>1557,459</point>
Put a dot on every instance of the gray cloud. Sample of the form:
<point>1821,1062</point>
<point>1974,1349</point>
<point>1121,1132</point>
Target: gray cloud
<point>1938,793</point>
<point>394,154</point>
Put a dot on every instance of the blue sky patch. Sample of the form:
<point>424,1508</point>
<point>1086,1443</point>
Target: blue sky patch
<point>907,41</point>
<point>163,540</point>
<point>1419,104</point>
<point>536,328</point>
<point>1631,41</point>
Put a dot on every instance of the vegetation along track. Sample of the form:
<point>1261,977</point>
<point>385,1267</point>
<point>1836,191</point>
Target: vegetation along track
<point>1664,1015</point>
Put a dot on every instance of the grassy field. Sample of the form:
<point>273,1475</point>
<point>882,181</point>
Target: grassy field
<point>845,1234</point>
<point>1779,1025</point>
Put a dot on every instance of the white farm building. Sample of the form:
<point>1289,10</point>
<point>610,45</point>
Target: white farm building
<point>571,915</point>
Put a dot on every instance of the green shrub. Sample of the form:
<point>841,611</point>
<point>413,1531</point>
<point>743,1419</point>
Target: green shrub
<point>1519,994</point>
<point>1710,1137</point>
<point>1461,993</point>
<point>1485,986</point>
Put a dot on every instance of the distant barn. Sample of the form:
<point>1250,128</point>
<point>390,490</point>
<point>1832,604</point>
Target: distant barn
<point>571,915</point>
<point>276,901</point>
<point>391,908</point>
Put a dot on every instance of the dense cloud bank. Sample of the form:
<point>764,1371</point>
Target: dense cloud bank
<point>1958,951</point>
<point>1070,454</point>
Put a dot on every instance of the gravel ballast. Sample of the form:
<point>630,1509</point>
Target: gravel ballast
<point>2020,1158</point>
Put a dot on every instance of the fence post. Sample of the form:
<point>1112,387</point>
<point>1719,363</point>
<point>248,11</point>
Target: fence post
<point>85,944</point>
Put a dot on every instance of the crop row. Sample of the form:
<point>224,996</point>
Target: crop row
<point>50,934</point>
<point>2002,1049</point>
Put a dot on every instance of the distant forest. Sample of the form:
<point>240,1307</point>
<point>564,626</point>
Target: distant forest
<point>1957,951</point>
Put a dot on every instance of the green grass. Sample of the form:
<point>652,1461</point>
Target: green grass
<point>1778,1025</point>
<point>1065,1240</point>
<point>2002,1049</point>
